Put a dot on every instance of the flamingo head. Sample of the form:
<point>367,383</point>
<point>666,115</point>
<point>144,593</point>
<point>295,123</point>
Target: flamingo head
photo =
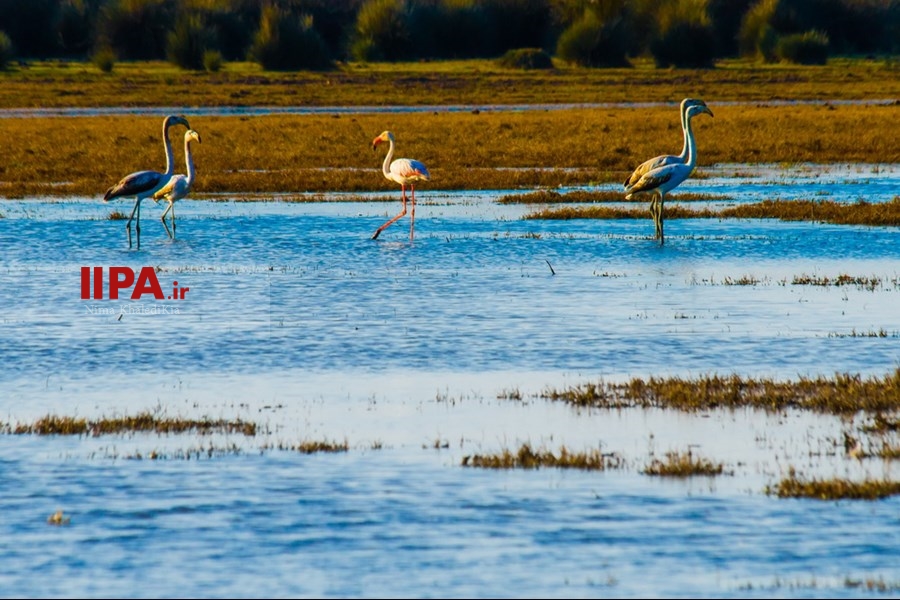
<point>176,120</point>
<point>191,135</point>
<point>386,136</point>
<point>693,111</point>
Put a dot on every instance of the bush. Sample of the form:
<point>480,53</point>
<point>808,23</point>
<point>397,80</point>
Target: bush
<point>6,50</point>
<point>189,42</point>
<point>137,29</point>
<point>104,59</point>
<point>591,43</point>
<point>526,58</point>
<point>212,61</point>
<point>684,45</point>
<point>810,48</point>
<point>382,31</point>
<point>286,42</point>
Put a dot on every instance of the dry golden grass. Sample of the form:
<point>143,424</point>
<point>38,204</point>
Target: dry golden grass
<point>842,394</point>
<point>470,82</point>
<point>492,150</point>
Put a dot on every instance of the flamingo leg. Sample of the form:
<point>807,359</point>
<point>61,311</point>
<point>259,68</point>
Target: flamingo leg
<point>394,220</point>
<point>659,221</point>
<point>169,208</point>
<point>136,215</point>
<point>412,216</point>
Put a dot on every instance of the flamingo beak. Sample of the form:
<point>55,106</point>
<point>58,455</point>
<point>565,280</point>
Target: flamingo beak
<point>707,111</point>
<point>375,142</point>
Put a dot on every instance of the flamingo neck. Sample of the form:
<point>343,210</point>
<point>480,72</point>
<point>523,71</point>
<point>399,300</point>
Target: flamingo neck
<point>386,165</point>
<point>189,160</point>
<point>170,158</point>
<point>690,144</point>
<point>684,130</point>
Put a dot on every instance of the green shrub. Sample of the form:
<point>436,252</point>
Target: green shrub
<point>526,58</point>
<point>589,42</point>
<point>6,50</point>
<point>685,45</point>
<point>810,48</point>
<point>756,29</point>
<point>212,61</point>
<point>104,59</point>
<point>382,31</point>
<point>189,42</point>
<point>137,29</point>
<point>286,42</point>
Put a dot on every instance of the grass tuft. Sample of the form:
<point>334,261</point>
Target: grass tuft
<point>527,458</point>
<point>793,486</point>
<point>683,464</point>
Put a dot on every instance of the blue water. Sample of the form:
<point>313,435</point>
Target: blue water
<point>297,321</point>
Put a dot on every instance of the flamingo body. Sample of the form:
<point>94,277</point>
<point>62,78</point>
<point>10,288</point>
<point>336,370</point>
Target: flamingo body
<point>666,159</point>
<point>143,184</point>
<point>406,172</point>
<point>178,186</point>
<point>663,179</point>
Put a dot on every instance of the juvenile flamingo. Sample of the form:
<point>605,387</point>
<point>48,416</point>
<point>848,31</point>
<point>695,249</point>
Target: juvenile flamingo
<point>667,159</point>
<point>179,185</point>
<point>662,180</point>
<point>404,171</point>
<point>143,184</point>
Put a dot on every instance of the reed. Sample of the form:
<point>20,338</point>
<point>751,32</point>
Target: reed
<point>142,422</point>
<point>527,458</point>
<point>794,486</point>
<point>683,464</point>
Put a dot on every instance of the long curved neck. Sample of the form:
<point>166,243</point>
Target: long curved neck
<point>690,143</point>
<point>685,127</point>
<point>189,160</point>
<point>386,165</point>
<point>170,158</point>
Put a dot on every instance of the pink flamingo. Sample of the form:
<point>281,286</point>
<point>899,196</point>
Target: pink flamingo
<point>404,171</point>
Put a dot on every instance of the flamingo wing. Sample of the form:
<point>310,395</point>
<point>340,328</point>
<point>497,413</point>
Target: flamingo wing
<point>407,170</point>
<point>174,189</point>
<point>649,165</point>
<point>141,182</point>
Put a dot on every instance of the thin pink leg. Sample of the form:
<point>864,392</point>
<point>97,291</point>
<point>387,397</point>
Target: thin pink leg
<point>394,220</point>
<point>412,216</point>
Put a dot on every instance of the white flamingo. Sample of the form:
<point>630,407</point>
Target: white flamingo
<point>662,180</point>
<point>143,184</point>
<point>179,185</point>
<point>667,159</point>
<point>404,171</point>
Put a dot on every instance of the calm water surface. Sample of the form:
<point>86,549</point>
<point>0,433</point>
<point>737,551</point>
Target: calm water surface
<point>297,321</point>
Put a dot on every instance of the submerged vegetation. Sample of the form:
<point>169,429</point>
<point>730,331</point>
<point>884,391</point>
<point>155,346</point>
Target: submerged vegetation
<point>843,394</point>
<point>142,422</point>
<point>527,458</point>
<point>794,486</point>
<point>683,464</point>
<point>823,211</point>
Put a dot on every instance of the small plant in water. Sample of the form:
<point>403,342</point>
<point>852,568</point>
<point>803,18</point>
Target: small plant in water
<point>794,486</point>
<point>683,464</point>
<point>528,458</point>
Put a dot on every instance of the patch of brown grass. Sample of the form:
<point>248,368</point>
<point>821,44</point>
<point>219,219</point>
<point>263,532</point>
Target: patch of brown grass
<point>683,464</point>
<point>527,458</point>
<point>142,422</point>
<point>794,486</point>
<point>842,394</point>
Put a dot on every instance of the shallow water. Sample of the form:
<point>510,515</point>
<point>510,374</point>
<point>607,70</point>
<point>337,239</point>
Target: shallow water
<point>299,322</point>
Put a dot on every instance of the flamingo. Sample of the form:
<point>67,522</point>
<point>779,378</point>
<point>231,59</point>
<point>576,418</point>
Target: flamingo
<point>404,171</point>
<point>664,179</point>
<point>143,184</point>
<point>666,159</point>
<point>178,186</point>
